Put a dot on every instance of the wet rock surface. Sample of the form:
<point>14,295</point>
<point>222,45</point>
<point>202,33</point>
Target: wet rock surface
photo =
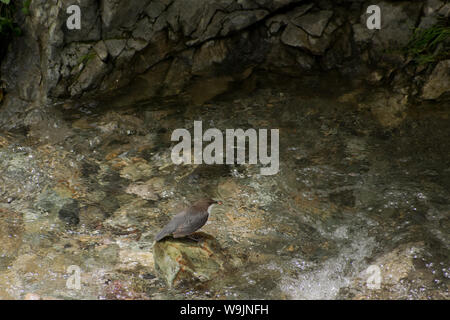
<point>11,234</point>
<point>186,261</point>
<point>163,48</point>
<point>363,181</point>
<point>439,81</point>
<point>406,266</point>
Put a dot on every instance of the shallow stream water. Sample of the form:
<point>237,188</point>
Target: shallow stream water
<point>353,201</point>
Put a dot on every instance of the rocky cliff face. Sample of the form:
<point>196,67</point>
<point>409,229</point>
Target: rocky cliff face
<point>172,47</point>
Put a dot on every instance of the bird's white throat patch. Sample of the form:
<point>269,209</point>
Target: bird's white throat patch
<point>210,208</point>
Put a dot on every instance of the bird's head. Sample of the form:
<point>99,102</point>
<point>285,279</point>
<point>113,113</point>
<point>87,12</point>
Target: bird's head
<point>212,201</point>
<point>209,203</point>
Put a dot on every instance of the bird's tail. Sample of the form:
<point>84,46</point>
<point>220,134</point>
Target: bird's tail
<point>162,234</point>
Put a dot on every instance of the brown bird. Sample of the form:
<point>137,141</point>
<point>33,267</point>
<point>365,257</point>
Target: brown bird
<point>189,220</point>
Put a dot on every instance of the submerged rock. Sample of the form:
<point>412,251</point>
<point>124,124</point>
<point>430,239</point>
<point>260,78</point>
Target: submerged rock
<point>184,260</point>
<point>11,234</point>
<point>32,296</point>
<point>403,273</point>
<point>136,170</point>
<point>142,190</point>
<point>70,213</point>
<point>388,108</point>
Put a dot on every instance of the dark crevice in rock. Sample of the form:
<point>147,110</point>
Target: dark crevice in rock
<point>218,47</point>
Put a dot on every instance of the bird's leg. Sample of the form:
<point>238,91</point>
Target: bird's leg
<point>192,237</point>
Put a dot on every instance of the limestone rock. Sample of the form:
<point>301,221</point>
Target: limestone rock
<point>115,46</point>
<point>397,26</point>
<point>155,8</point>
<point>432,6</point>
<point>297,12</point>
<point>101,50</point>
<point>439,81</point>
<point>120,15</point>
<point>445,10</point>
<point>90,76</point>
<point>142,44</point>
<point>211,53</point>
<point>241,19</point>
<point>314,23</point>
<point>295,37</point>
<point>361,33</point>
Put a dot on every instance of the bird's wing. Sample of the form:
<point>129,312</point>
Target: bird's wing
<point>190,225</point>
<point>171,226</point>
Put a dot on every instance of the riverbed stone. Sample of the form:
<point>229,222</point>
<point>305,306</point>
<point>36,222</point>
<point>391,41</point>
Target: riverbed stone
<point>142,190</point>
<point>394,269</point>
<point>228,189</point>
<point>185,261</point>
<point>70,213</point>
<point>136,259</point>
<point>11,234</point>
<point>388,109</point>
<point>136,169</point>
<point>310,220</point>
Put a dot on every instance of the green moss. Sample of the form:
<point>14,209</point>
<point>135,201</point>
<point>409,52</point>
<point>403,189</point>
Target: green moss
<point>26,7</point>
<point>8,26</point>
<point>431,44</point>
<point>87,57</point>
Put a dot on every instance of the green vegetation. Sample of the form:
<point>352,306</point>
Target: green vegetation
<point>87,57</point>
<point>431,44</point>
<point>8,27</point>
<point>26,7</point>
